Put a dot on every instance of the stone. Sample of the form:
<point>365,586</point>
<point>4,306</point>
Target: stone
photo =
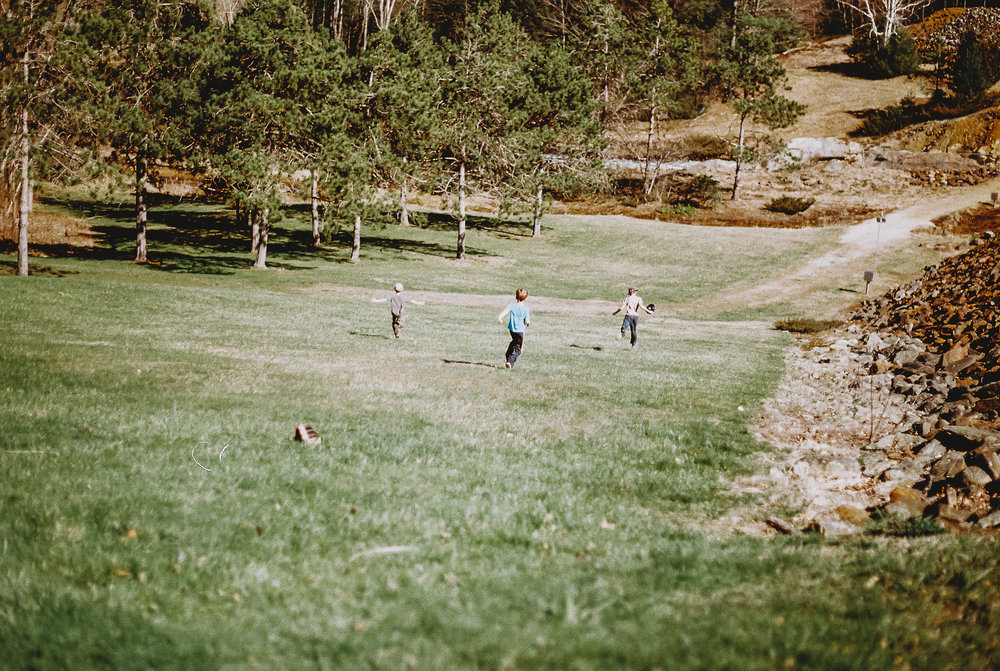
<point>991,520</point>
<point>992,460</point>
<point>850,514</point>
<point>965,438</point>
<point>833,526</point>
<point>930,450</point>
<point>948,466</point>
<point>952,513</point>
<point>975,476</point>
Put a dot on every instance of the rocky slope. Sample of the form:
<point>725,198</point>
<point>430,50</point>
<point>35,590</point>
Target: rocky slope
<point>897,418</point>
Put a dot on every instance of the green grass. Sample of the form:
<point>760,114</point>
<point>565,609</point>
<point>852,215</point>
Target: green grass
<point>456,515</point>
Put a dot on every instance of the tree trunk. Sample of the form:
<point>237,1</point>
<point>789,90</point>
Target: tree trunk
<point>461,211</point>
<point>254,217</point>
<point>314,197</point>
<point>356,243</point>
<point>536,222</point>
<point>141,174</point>
<point>23,219</point>
<point>739,160</point>
<point>261,262</point>
<point>404,211</point>
<point>648,176</point>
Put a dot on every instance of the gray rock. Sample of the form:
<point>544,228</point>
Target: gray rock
<point>991,520</point>
<point>948,466</point>
<point>975,476</point>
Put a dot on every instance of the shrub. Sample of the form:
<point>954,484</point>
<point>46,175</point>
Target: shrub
<point>969,73</point>
<point>789,204</point>
<point>806,326</point>
<point>898,56</point>
<point>705,147</point>
<point>890,119</point>
<point>891,525</point>
<point>699,191</point>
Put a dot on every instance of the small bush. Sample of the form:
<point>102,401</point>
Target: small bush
<point>705,147</point>
<point>698,191</point>
<point>789,204</point>
<point>971,72</point>
<point>806,326</point>
<point>891,119</point>
<point>898,56</point>
<point>891,525</point>
<point>678,209</point>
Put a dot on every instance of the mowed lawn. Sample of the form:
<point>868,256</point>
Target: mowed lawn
<point>155,513</point>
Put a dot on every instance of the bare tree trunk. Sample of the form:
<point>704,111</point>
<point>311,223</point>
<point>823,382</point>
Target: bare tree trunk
<point>314,198</point>
<point>404,210</point>
<point>739,160</point>
<point>261,262</point>
<point>141,173</point>
<point>356,243</point>
<point>254,217</point>
<point>536,223</point>
<point>648,176</point>
<point>461,211</point>
<point>23,220</point>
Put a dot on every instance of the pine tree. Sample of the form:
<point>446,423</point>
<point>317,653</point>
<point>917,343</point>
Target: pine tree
<point>130,65</point>
<point>968,74</point>
<point>262,91</point>
<point>749,78</point>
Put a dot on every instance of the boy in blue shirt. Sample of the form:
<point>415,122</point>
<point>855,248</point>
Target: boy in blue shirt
<point>517,317</point>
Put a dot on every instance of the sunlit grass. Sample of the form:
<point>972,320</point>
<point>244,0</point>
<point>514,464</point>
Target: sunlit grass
<point>155,513</point>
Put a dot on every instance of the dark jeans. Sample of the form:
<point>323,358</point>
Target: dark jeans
<point>515,346</point>
<point>631,321</point>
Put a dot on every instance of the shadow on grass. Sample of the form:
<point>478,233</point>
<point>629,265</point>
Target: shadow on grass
<point>381,336</point>
<point>850,69</point>
<point>471,363</point>
<point>193,236</point>
<point>10,268</point>
<point>495,226</point>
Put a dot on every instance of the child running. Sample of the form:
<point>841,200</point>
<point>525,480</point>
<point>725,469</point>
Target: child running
<point>397,307</point>
<point>517,317</point>
<point>631,306</point>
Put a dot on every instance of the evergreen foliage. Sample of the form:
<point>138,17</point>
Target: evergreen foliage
<point>897,56</point>
<point>969,74</point>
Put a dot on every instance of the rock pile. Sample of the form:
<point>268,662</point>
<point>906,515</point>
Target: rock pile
<point>952,312</point>
<point>938,338</point>
<point>936,342</point>
<point>948,27</point>
<point>914,381</point>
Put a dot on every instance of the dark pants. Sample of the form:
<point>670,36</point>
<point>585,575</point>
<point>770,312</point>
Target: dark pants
<point>631,321</point>
<point>515,346</point>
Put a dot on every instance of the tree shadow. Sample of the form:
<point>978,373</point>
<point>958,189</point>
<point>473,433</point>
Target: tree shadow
<point>850,69</point>
<point>35,270</point>
<point>497,226</point>
<point>205,237</point>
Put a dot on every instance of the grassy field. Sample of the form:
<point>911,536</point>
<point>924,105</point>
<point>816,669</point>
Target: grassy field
<point>155,513</point>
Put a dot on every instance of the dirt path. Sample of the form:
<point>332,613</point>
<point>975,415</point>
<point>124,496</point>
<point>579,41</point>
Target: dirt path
<point>855,252</point>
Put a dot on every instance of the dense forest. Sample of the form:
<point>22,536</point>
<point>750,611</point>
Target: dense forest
<point>510,98</point>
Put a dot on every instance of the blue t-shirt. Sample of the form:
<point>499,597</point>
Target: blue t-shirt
<point>519,315</point>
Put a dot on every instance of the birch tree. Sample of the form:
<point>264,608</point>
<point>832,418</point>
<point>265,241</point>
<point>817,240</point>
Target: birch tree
<point>883,18</point>
<point>28,32</point>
